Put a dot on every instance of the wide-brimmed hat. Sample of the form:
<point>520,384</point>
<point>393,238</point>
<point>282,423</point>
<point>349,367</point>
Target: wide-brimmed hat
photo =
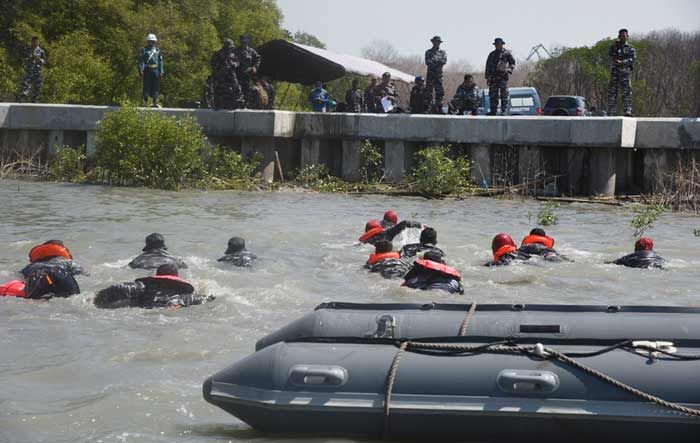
<point>499,40</point>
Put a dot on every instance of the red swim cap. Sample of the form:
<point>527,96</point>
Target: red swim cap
<point>372,224</point>
<point>501,240</point>
<point>644,244</point>
<point>391,216</point>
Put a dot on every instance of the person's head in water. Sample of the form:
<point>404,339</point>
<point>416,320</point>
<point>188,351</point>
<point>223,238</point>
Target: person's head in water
<point>428,236</point>
<point>501,240</point>
<point>538,231</point>
<point>154,241</point>
<point>54,242</point>
<point>235,244</point>
<point>644,244</point>
<point>433,256</point>
<point>167,269</point>
<point>391,217</point>
<point>383,246</point>
<point>372,224</point>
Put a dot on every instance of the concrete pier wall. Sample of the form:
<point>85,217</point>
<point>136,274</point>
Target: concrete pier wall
<point>590,155</point>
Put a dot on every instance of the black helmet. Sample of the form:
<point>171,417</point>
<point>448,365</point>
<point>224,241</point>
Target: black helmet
<point>433,256</point>
<point>235,244</point>
<point>167,269</point>
<point>154,241</point>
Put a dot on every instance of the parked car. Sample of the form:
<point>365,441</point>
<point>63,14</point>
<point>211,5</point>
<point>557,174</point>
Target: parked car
<point>523,101</point>
<point>571,105</point>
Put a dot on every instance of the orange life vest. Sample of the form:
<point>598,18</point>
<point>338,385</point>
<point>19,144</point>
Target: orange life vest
<point>371,233</point>
<point>547,242</point>
<point>48,250</point>
<point>503,250</point>
<point>14,288</point>
<point>374,258</point>
<point>439,267</point>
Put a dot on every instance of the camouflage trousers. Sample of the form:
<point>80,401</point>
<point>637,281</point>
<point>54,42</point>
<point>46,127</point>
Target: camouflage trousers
<point>228,95</point>
<point>498,88</point>
<point>433,83</point>
<point>30,86</point>
<point>622,80</point>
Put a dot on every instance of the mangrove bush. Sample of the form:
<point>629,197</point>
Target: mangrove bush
<point>438,173</point>
<point>68,165</point>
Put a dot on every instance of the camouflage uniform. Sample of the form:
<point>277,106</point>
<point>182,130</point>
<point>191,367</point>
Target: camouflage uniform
<point>420,99</point>
<point>384,90</point>
<point>467,98</point>
<point>33,78</point>
<point>151,65</point>
<point>226,89</point>
<point>354,101</point>
<point>248,58</point>
<point>435,59</point>
<point>621,74</point>
<point>499,66</point>
<point>369,99</point>
<point>271,94</point>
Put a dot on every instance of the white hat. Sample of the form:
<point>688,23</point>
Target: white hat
<point>151,38</point>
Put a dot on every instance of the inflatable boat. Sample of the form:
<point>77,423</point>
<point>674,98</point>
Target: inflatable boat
<point>435,376</point>
<point>496,320</point>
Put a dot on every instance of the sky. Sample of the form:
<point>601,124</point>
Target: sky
<point>469,27</point>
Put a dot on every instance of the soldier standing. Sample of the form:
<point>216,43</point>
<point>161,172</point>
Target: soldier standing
<point>435,59</point>
<point>266,83</point>
<point>354,98</point>
<point>369,96</point>
<point>150,65</point>
<point>622,56</point>
<point>385,89</point>
<point>420,97</point>
<point>466,98</point>
<point>33,78</point>
<point>499,66</point>
<point>249,63</point>
<point>227,92</point>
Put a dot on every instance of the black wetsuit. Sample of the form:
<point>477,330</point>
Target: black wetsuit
<point>240,258</point>
<point>393,231</point>
<point>546,253</point>
<point>425,279</point>
<point>51,278</point>
<point>641,259</point>
<point>155,258</point>
<point>390,267</point>
<point>418,249</point>
<point>149,292</point>
<point>507,259</point>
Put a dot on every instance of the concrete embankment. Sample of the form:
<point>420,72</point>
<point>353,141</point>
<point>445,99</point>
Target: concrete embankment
<point>588,155</point>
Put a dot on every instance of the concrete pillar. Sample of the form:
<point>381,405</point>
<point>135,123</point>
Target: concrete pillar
<point>602,172</point>
<point>394,160</point>
<point>55,141</point>
<point>655,164</point>
<point>481,164</point>
<point>90,145</point>
<point>351,160</point>
<point>574,179</point>
<point>529,163</point>
<point>310,151</point>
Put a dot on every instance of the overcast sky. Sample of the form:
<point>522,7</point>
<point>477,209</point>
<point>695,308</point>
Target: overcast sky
<point>469,27</point>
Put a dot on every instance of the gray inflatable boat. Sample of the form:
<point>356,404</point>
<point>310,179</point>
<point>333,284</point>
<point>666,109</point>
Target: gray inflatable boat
<point>474,373</point>
<point>468,389</point>
<point>451,320</point>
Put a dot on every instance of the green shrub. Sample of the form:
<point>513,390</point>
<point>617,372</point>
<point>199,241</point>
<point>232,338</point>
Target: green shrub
<point>318,178</point>
<point>437,173</point>
<point>68,165</point>
<point>645,217</point>
<point>147,148</point>
<point>371,162</point>
<point>546,216</point>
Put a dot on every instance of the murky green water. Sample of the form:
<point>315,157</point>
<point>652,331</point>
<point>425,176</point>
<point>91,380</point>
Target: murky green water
<point>72,373</point>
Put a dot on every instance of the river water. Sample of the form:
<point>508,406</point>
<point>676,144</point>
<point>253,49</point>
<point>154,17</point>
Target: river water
<point>72,373</point>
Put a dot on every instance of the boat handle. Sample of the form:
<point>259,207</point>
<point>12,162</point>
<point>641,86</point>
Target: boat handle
<point>318,375</point>
<point>519,381</point>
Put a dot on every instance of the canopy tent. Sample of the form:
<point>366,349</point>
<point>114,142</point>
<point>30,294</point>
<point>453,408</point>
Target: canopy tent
<point>294,63</point>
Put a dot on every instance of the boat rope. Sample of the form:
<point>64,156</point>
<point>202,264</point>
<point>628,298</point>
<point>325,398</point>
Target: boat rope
<point>390,385</point>
<point>538,351</point>
<point>467,319</point>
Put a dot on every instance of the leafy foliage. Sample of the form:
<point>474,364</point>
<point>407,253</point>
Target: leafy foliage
<point>437,173</point>
<point>68,165</point>
<point>317,178</point>
<point>645,217</point>
<point>371,163</point>
<point>546,215</point>
<point>8,77</point>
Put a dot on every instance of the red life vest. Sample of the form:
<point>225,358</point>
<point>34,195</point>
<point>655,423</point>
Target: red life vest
<point>503,250</point>
<point>374,258</point>
<point>371,233</point>
<point>439,267</point>
<point>171,281</point>
<point>547,242</point>
<point>14,288</point>
<point>48,250</point>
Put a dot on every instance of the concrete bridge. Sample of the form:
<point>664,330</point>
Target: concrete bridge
<point>590,155</point>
